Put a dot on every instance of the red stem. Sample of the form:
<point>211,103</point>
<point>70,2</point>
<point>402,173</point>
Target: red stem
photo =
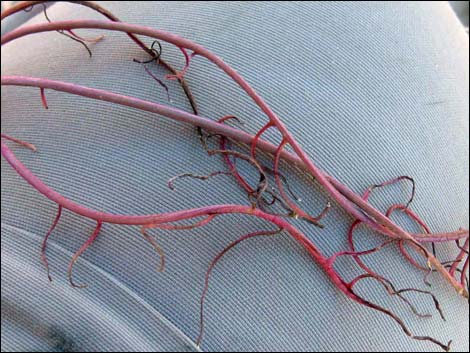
<point>341,197</point>
<point>46,238</point>
<point>90,4</point>
<point>459,258</point>
<point>228,161</point>
<point>20,142</point>
<point>209,125</point>
<point>297,210</point>
<point>79,253</point>
<point>211,268</point>
<point>463,275</point>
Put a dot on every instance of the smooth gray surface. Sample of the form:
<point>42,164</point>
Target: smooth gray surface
<point>461,10</point>
<point>371,90</point>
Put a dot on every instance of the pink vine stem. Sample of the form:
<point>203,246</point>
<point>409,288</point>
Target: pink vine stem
<point>166,218</point>
<point>205,123</point>
<point>460,257</point>
<point>404,208</point>
<point>46,238</point>
<point>182,116</point>
<point>84,247</point>
<point>355,205</point>
<point>228,161</point>
<point>214,263</point>
<point>20,142</point>
<point>341,194</point>
<point>20,6</point>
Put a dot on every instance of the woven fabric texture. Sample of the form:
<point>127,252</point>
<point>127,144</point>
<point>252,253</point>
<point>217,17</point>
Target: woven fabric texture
<point>371,90</point>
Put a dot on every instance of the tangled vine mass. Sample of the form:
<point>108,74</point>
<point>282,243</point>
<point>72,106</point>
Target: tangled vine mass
<point>270,199</point>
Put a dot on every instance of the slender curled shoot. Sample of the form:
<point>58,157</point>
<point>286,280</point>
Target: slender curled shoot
<point>413,216</point>
<point>155,53</point>
<point>166,226</point>
<point>353,283</point>
<point>79,253</point>
<point>256,197</point>
<point>260,133</point>
<point>262,204</point>
<point>70,33</point>
<point>298,212</point>
<point>20,142</point>
<point>46,238</point>
<point>285,182</point>
<point>240,179</point>
<point>232,165</point>
<point>437,305</point>
<point>223,146</point>
<point>160,82</point>
<point>404,208</point>
<point>278,198</point>
<point>212,265</point>
<point>44,99</point>
<point>460,257</point>
<point>156,247</point>
<point>460,247</point>
<point>401,243</point>
<point>259,200</point>
<point>180,75</point>
<point>387,284</point>
<point>390,288</point>
<point>263,180</point>
<point>334,257</point>
<point>171,182</point>
<point>231,117</point>
<point>391,182</point>
<point>464,272</point>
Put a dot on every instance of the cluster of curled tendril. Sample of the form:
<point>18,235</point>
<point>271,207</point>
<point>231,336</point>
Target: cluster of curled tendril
<point>271,198</point>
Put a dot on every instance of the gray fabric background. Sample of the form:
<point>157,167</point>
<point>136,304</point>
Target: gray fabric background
<point>371,90</point>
